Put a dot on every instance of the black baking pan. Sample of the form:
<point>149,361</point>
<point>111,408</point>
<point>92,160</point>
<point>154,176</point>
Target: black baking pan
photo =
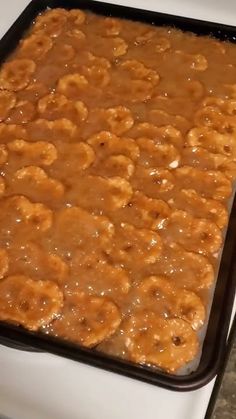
<point>220,376</point>
<point>216,337</point>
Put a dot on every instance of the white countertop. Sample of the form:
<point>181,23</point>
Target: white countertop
<point>43,386</point>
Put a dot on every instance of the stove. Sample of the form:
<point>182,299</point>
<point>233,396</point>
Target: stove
<point>37,385</point>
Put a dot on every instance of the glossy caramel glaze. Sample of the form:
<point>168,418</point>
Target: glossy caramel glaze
<point>117,158</point>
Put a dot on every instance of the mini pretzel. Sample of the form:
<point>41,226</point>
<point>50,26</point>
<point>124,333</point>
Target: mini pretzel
<point>32,304</point>
<point>155,183</point>
<point>87,320</point>
<point>112,27</point>
<point>134,91</point>
<point>2,186</point>
<point>189,200</point>
<point>97,75</point>
<point>226,106</point>
<point>162,45</point>
<point>82,111</point>
<point>35,46</point>
<point>168,344</point>
<point>138,71</point>
<point>55,105</point>
<point>159,294</point>
<point>228,167</point>
<point>34,91</point>
<point>143,90</point>
<point>77,38</point>
<point>213,141</point>
<point>161,118</point>
<point>117,165</point>
<point>146,130</point>
<point>196,61</point>
<point>82,154</point>
<point>22,113</point>
<point>145,36</point>
<point>71,85</point>
<point>61,128</point>
<point>214,101</point>
<point>119,47</point>
<point>34,182</point>
<point>7,102</point>
<point>65,53</point>
<point>75,225</point>
<point>121,191</point>
<point>160,135</point>
<point>210,184</point>
<point>51,22</point>
<point>52,103</point>
<point>77,16</point>
<point>188,270</point>
<point>105,143</point>
<point>181,97</point>
<point>141,245</point>
<point>33,172</point>
<point>194,234</point>
<point>211,117</point>
<point>3,154</point>
<point>15,75</point>
<point>39,152</point>
<point>108,280</point>
<point>4,262</point>
<point>199,62</point>
<point>195,89</point>
<point>38,216</point>
<point>229,107</point>
<point>99,62</point>
<point>32,260</point>
<point>203,159</point>
<point>219,45</point>
<point>189,307</point>
<point>55,267</point>
<point>156,293</point>
<point>98,193</point>
<point>119,119</point>
<point>12,132</point>
<point>143,212</point>
<point>157,155</point>
<point>231,88</point>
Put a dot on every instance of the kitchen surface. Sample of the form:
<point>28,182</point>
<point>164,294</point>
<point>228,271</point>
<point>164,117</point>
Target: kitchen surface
<point>226,401</point>
<point>37,385</point>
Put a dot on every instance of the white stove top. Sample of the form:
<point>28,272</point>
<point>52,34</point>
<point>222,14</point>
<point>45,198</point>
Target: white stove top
<point>43,386</point>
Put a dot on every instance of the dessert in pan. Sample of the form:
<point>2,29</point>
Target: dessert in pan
<point>117,153</point>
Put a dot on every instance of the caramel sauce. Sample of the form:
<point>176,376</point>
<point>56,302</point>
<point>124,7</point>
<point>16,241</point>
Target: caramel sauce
<point>117,161</point>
